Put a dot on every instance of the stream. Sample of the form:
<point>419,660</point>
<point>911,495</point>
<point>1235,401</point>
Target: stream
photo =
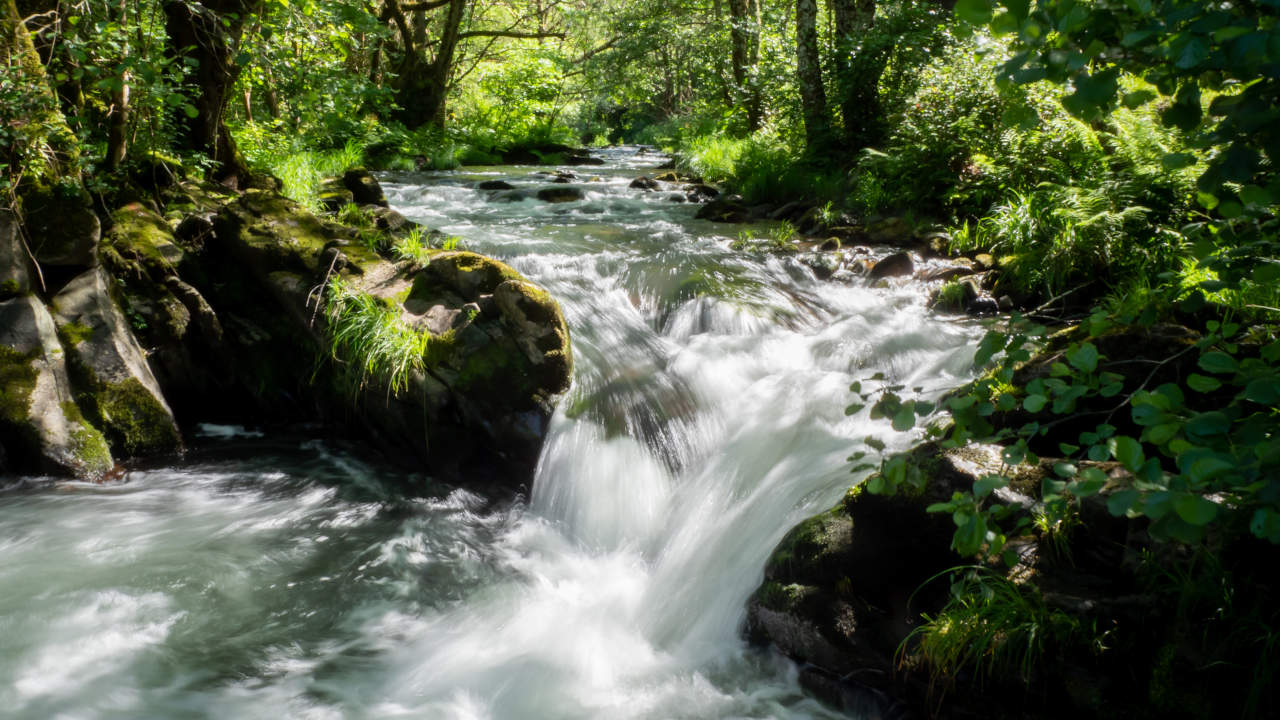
<point>277,577</point>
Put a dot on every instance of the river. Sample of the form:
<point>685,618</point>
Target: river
<point>276,577</point>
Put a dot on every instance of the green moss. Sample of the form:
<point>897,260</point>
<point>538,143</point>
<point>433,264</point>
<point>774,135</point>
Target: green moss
<point>88,446</point>
<point>805,550</point>
<point>10,288</point>
<point>17,381</point>
<point>74,333</point>
<point>781,598</point>
<point>136,422</point>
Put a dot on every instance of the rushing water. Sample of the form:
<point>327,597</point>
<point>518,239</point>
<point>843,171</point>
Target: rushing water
<point>276,578</point>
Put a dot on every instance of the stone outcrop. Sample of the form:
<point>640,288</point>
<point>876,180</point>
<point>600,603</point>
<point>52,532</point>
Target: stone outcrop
<point>235,305</point>
<point>43,430</point>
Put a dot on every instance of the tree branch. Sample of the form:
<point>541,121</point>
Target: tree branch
<point>510,34</point>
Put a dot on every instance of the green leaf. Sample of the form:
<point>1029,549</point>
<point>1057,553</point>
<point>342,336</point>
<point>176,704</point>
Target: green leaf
<point>1264,391</point>
<point>190,110</point>
<point>1034,403</point>
<point>991,343</point>
<point>1218,362</point>
<point>854,409</point>
<point>1122,502</point>
<point>1177,161</point>
<point>1203,383</point>
<point>1206,468</point>
<point>1064,469</point>
<point>1163,433</point>
<point>875,442</point>
<point>905,419</point>
<point>1127,450</point>
<point>1208,424</point>
<point>984,485</point>
<point>1195,509</point>
<point>1083,358</point>
<point>1091,481</point>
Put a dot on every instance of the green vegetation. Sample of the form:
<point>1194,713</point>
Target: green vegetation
<point>373,342</point>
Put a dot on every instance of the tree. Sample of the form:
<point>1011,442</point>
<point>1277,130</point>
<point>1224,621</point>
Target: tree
<point>813,96</point>
<point>744,36</point>
<point>422,84</point>
<point>35,142</point>
<point>859,64</point>
<point>207,36</point>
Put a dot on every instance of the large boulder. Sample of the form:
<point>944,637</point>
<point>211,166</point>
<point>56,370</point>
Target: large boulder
<point>110,372</point>
<point>61,226</point>
<point>845,587</point>
<point>494,348</point>
<point>41,427</point>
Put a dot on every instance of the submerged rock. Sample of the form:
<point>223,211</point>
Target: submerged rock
<point>724,210</point>
<point>560,194</point>
<point>494,185</point>
<point>43,428</point>
<point>644,182</point>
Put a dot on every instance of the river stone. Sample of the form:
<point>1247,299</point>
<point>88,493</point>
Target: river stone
<point>889,231</point>
<point>62,228</point>
<point>894,265</point>
<point>110,372</point>
<point>495,185</point>
<point>723,210</point>
<point>364,188</point>
<point>644,182</point>
<point>699,192</point>
<point>559,194</point>
<point>43,428</point>
<point>15,266</point>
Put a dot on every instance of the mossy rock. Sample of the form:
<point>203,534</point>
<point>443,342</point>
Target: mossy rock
<point>61,226</point>
<point>109,372</point>
<point>41,427</point>
<point>15,272</point>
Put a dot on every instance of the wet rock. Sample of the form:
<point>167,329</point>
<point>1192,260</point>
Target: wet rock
<point>955,296</point>
<point>724,210</point>
<point>62,228</point>
<point>580,159</point>
<point>831,244</point>
<point>677,198</point>
<point>392,222</point>
<point>958,269</point>
<point>833,596</point>
<point>937,243</point>
<point>895,265</point>
<point>700,192</point>
<point>364,188</point>
<point>495,185</point>
<point>644,182</point>
<point>15,266</point>
<point>668,177</point>
<point>509,196</point>
<point>984,261</point>
<point>559,195</point>
<point>110,374</point>
<point>41,427</point>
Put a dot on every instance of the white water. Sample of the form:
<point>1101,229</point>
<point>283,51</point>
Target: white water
<point>278,579</point>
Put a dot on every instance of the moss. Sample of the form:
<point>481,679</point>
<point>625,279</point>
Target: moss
<point>88,446</point>
<point>806,551</point>
<point>136,422</point>
<point>73,333</point>
<point>781,598</point>
<point>17,381</point>
<point>10,288</point>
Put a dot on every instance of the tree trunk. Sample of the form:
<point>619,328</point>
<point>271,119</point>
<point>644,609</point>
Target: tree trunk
<point>858,70</point>
<point>118,117</point>
<point>41,145</point>
<point>208,33</point>
<point>813,97</point>
<point>422,88</point>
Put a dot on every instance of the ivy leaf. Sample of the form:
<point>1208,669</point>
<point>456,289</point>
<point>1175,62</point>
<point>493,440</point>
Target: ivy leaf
<point>1034,403</point>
